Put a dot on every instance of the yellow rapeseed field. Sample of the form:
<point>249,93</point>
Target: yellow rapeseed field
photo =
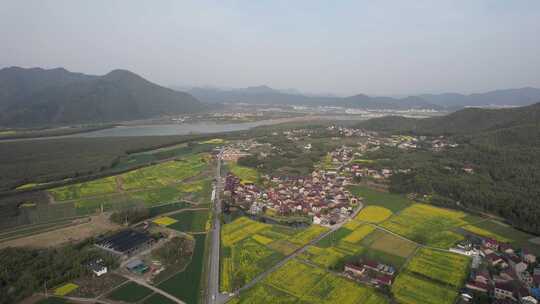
<point>65,289</point>
<point>240,229</point>
<point>262,239</point>
<point>358,234</point>
<point>165,221</point>
<point>484,233</point>
<point>374,214</point>
<point>307,235</point>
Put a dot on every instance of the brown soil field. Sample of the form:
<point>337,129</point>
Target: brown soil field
<point>98,224</point>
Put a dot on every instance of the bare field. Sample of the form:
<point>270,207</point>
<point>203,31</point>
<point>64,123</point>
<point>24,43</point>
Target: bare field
<point>97,224</point>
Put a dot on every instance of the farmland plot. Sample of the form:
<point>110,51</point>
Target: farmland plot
<point>295,278</point>
<point>334,289</point>
<point>240,229</point>
<point>190,221</point>
<point>411,289</point>
<point>427,224</point>
<point>392,244</point>
<point>263,293</point>
<point>130,292</point>
<point>249,259</point>
<point>444,267</point>
<point>96,187</point>
<point>163,174</point>
<point>307,235</point>
<point>360,233</point>
<point>393,202</point>
<point>324,257</point>
<point>190,278</point>
<point>373,214</point>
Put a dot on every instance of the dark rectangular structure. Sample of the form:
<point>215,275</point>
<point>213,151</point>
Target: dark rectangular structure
<point>126,242</point>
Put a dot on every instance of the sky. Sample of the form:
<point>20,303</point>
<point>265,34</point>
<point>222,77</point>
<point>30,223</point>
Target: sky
<point>341,47</point>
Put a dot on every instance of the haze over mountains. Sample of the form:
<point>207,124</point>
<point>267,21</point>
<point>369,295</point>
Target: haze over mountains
<point>524,121</point>
<point>449,101</point>
<point>41,97</point>
<point>33,97</point>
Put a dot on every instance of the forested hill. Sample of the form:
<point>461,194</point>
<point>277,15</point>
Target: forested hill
<point>466,121</point>
<point>502,147</point>
<point>34,97</point>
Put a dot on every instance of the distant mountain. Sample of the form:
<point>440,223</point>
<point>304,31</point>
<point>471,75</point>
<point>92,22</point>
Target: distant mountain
<point>266,95</point>
<point>36,97</point>
<point>448,101</point>
<point>509,97</point>
<point>466,121</point>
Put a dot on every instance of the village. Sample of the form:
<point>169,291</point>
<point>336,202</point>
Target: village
<point>508,274</point>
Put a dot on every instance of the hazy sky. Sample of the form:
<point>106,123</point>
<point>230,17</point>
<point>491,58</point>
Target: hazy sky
<point>344,47</point>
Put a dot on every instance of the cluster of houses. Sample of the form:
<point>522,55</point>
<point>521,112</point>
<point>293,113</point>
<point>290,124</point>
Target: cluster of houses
<point>500,271</point>
<point>371,272</point>
<point>236,150</point>
<point>344,161</point>
<point>322,196</point>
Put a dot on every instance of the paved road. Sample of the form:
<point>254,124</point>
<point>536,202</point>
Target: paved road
<point>213,295</point>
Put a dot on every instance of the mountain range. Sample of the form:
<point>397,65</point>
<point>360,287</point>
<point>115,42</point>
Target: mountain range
<point>462,122</point>
<point>448,101</point>
<point>48,97</point>
<point>38,97</point>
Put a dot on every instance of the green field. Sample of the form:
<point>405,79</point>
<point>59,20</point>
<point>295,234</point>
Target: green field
<point>412,289</point>
<point>156,298</point>
<point>373,214</point>
<point>186,285</point>
<point>130,292</point>
<point>443,267</point>
<point>146,187</point>
<point>333,238</point>
<point>53,300</point>
<point>160,179</point>
<point>164,174</point>
<point>92,188</point>
<point>429,225</point>
<point>503,233</point>
<point>297,282</point>
<point>393,202</point>
<point>190,220</point>
<point>250,247</point>
<point>246,175</point>
<point>307,235</point>
<point>390,244</point>
<point>249,259</point>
